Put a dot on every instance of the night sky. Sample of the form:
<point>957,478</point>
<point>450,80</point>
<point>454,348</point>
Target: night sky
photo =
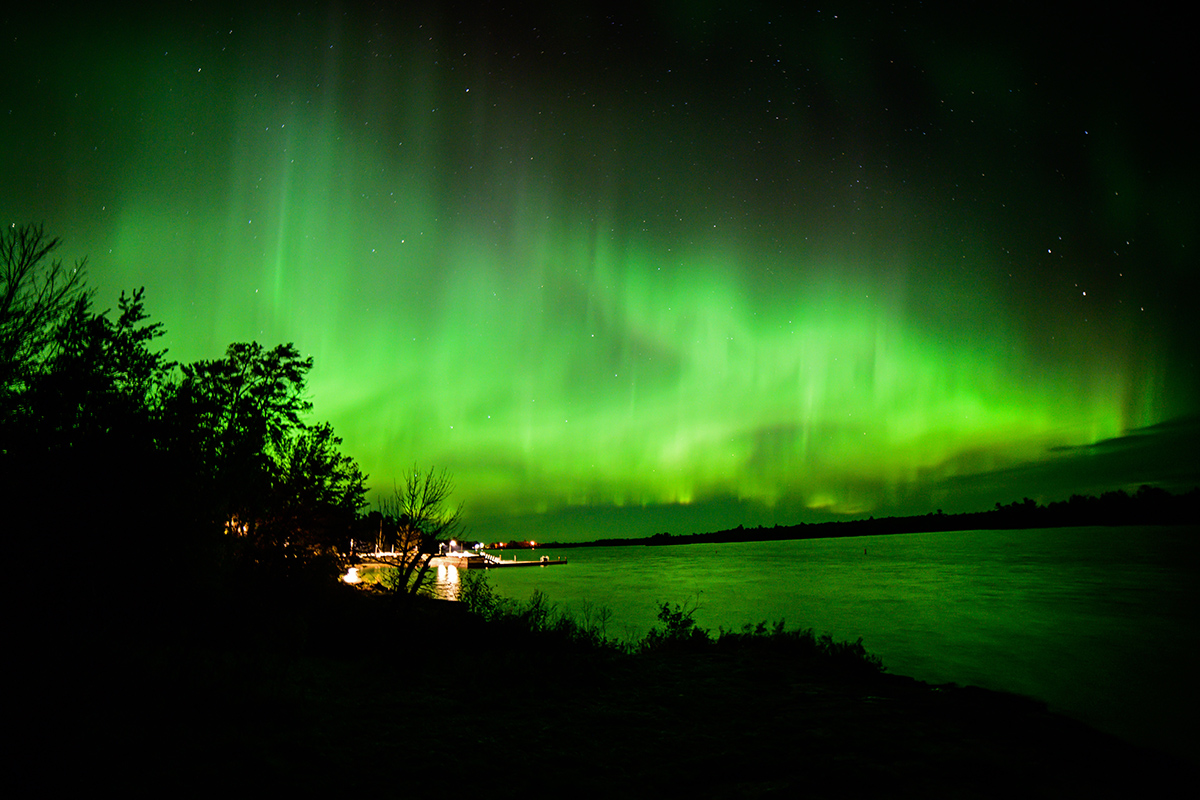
<point>675,268</point>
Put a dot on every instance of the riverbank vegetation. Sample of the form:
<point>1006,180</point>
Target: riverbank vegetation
<point>677,631</point>
<point>364,691</point>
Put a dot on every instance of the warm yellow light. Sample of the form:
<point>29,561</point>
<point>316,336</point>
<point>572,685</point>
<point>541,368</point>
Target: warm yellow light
<point>351,576</point>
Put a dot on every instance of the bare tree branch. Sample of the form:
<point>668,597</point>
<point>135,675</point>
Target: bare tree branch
<point>35,293</point>
<point>421,518</point>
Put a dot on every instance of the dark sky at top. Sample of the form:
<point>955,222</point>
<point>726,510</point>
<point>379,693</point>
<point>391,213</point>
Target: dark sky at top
<point>664,266</point>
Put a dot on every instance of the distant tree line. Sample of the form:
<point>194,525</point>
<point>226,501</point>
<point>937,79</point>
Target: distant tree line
<point>1149,505</point>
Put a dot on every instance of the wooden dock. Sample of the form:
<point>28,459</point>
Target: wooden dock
<point>485,561</point>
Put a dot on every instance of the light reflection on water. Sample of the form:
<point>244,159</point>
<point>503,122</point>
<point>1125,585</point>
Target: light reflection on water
<point>444,579</point>
<point>447,582</point>
<point>1101,623</point>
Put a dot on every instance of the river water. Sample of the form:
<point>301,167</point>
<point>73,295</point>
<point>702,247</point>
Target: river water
<point>1101,623</point>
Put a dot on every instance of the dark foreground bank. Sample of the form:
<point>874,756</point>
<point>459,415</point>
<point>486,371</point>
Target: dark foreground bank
<point>366,695</point>
<point>358,693</point>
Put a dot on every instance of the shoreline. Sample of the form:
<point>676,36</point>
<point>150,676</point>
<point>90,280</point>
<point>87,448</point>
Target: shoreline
<point>348,690</point>
<point>476,708</point>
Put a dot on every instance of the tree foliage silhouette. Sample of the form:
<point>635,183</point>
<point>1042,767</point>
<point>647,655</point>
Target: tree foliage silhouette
<point>267,477</point>
<point>105,444</point>
<point>82,463</point>
<point>101,378</point>
<point>315,494</point>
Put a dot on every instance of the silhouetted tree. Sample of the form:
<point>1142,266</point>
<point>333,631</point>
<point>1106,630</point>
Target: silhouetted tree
<point>134,472</point>
<point>100,378</point>
<point>234,415</point>
<point>36,294</point>
<point>315,495</point>
<point>278,486</point>
<point>83,466</point>
<point>88,410</point>
<point>419,516</point>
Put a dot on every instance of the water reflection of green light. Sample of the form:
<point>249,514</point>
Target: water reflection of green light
<point>1099,622</point>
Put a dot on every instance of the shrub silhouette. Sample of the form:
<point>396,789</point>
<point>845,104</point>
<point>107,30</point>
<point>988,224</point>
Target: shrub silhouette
<point>538,619</point>
<point>679,629</point>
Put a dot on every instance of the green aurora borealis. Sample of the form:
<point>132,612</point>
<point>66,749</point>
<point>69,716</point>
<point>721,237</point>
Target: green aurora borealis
<point>623,273</point>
